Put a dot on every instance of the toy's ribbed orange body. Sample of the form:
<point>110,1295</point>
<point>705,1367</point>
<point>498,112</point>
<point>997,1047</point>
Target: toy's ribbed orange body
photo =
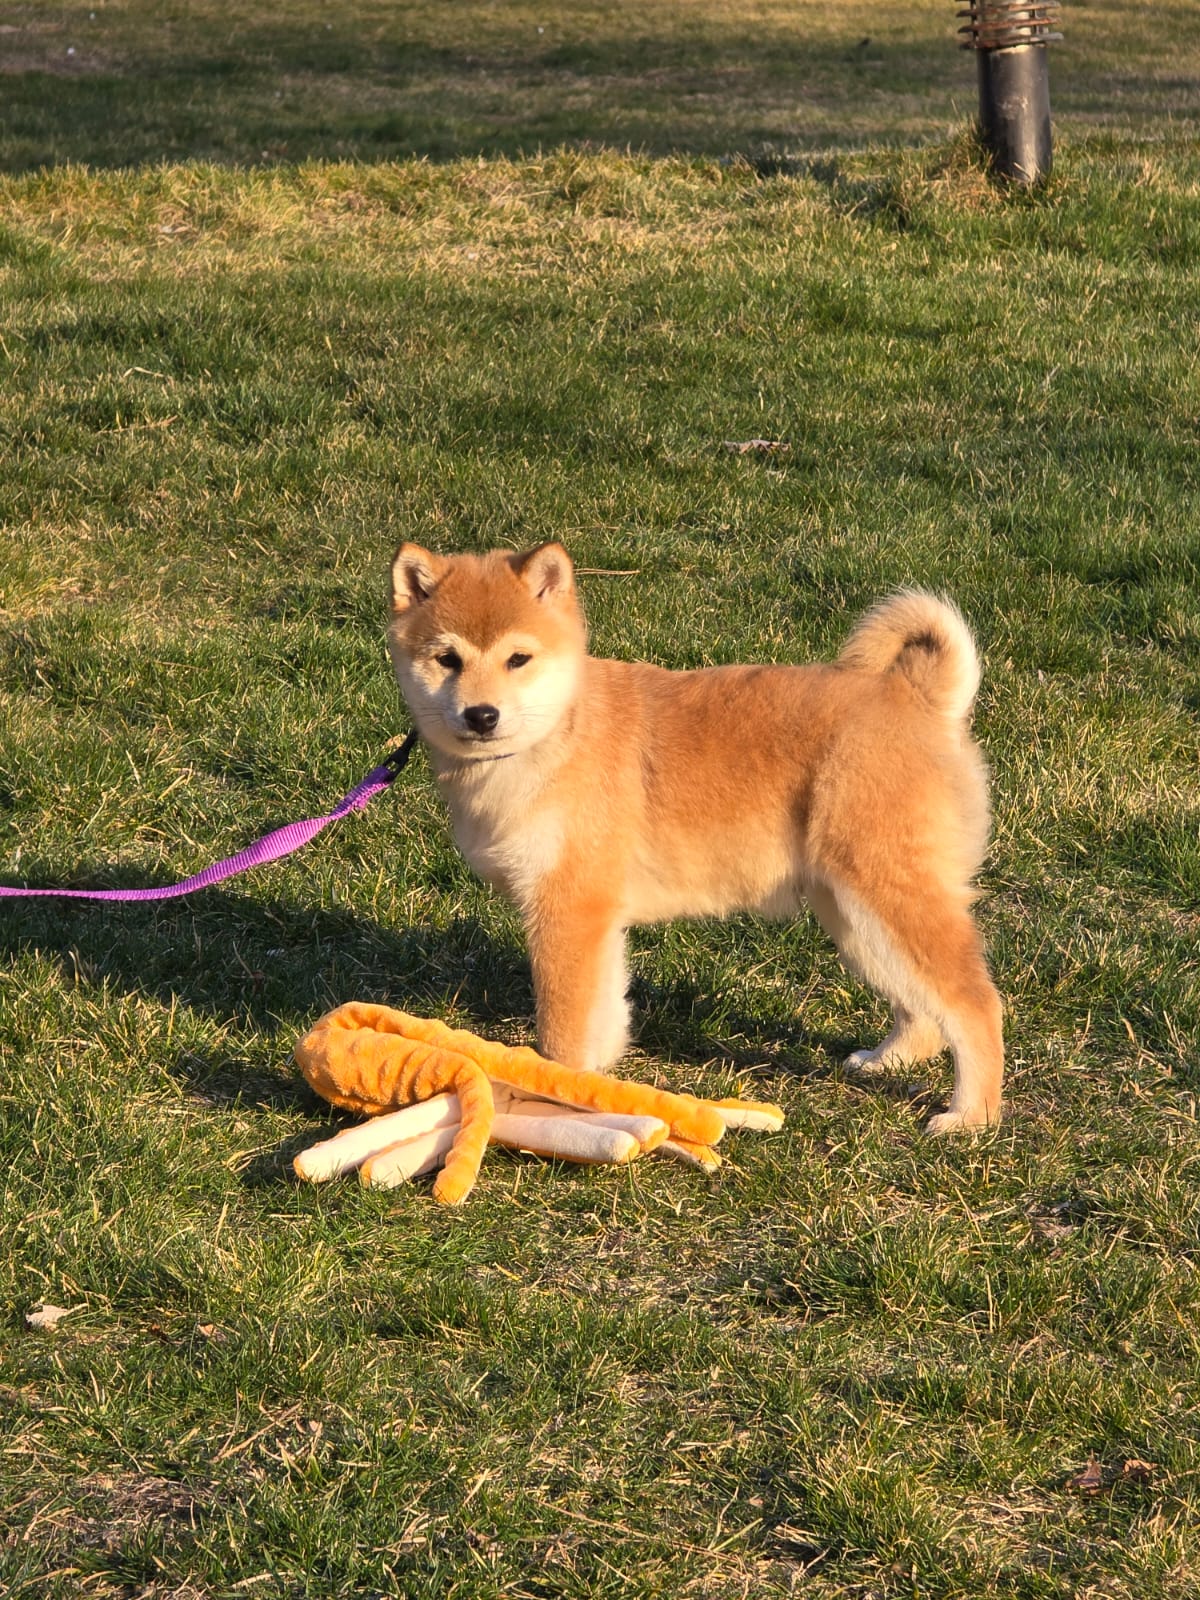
<point>371,1059</point>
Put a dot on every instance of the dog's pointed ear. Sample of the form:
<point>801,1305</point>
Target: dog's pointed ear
<point>415,573</point>
<point>546,572</point>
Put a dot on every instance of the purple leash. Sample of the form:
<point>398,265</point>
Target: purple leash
<point>280,842</point>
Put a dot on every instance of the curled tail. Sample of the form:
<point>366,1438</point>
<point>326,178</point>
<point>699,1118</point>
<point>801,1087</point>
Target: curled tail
<point>926,639</point>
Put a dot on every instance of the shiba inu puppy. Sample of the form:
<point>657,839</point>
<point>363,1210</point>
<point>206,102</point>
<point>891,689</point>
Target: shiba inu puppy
<point>601,794</point>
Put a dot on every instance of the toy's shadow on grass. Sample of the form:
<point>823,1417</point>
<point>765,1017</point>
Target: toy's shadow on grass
<point>270,1168</point>
<point>223,1081</point>
<point>227,1083</point>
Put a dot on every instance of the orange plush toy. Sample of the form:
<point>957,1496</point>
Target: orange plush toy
<point>458,1093</point>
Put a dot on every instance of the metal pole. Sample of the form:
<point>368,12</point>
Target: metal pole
<point>1009,38</point>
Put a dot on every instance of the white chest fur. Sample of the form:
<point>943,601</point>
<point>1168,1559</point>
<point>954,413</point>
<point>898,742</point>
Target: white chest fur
<point>502,824</point>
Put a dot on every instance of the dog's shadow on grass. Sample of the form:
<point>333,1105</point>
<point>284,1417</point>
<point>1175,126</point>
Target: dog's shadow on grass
<point>266,970</point>
<point>266,964</point>
<point>269,968</point>
<point>682,1024</point>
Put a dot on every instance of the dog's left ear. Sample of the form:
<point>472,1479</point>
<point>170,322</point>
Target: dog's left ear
<point>546,572</point>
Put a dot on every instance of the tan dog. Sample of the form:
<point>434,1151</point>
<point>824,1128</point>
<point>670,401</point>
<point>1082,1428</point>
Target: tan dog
<point>601,794</point>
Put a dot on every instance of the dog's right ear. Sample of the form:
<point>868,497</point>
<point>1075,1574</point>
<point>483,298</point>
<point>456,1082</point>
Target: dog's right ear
<point>415,573</point>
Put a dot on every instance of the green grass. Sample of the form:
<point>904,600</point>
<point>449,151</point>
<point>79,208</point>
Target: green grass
<point>856,1363</point>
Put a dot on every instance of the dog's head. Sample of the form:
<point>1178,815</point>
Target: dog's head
<point>487,649</point>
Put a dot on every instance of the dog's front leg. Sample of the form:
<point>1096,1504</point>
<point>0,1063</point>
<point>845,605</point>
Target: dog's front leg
<point>577,948</point>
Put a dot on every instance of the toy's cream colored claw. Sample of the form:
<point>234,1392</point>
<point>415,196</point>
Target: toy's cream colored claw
<point>547,1131</point>
<point>686,1116</point>
<point>756,1114</point>
<point>696,1155</point>
<point>648,1131</point>
<point>566,1138</point>
<point>398,1163</point>
<point>335,1157</point>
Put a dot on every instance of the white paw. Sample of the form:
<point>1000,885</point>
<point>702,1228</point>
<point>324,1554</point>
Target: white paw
<point>877,1060</point>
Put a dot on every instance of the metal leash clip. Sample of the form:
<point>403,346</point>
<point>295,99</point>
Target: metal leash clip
<point>396,760</point>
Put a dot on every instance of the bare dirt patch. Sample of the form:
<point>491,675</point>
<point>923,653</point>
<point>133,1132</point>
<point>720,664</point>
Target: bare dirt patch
<point>105,1511</point>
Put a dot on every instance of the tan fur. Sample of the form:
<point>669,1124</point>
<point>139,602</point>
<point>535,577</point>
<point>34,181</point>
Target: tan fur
<point>609,794</point>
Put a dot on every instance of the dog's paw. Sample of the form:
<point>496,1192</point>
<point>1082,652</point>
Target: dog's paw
<point>869,1061</point>
<point>912,1040</point>
<point>885,1057</point>
<point>961,1121</point>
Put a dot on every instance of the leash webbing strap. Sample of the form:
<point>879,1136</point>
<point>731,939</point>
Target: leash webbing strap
<point>280,842</point>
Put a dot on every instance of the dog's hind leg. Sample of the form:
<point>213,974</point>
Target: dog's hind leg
<point>915,1036</point>
<point>972,1017</point>
<point>925,956</point>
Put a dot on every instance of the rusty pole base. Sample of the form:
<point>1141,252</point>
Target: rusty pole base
<point>1009,38</point>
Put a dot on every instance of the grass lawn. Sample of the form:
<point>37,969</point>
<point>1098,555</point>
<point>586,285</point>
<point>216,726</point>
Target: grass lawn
<point>857,1363</point>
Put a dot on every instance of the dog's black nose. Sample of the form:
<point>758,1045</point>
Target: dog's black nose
<point>481,719</point>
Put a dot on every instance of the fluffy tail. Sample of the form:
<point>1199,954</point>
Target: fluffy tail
<point>926,639</point>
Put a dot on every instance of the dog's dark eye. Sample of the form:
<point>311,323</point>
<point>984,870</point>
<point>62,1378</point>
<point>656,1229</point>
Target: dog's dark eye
<point>451,660</point>
<point>515,661</point>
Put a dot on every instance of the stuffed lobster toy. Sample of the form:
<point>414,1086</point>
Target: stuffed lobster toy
<point>458,1093</point>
